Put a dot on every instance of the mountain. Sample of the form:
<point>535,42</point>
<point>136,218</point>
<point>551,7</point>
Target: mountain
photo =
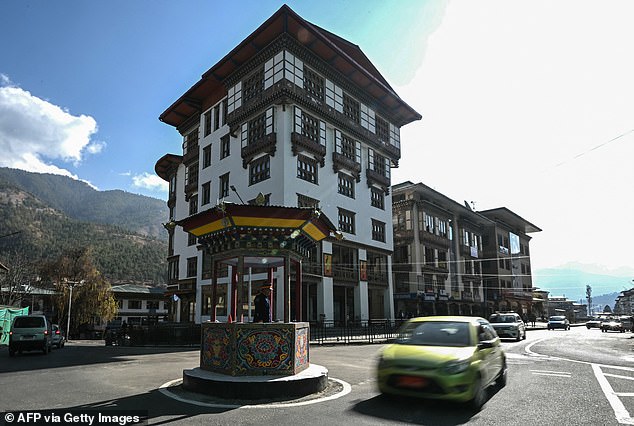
<point>54,213</point>
<point>78,200</point>
<point>570,280</point>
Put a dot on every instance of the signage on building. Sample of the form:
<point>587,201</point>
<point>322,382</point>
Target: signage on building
<point>474,252</point>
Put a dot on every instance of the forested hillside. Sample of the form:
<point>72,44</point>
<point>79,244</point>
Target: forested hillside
<point>77,200</point>
<point>44,229</point>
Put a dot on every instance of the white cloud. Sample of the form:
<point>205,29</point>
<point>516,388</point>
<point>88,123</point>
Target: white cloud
<point>33,132</point>
<point>518,101</point>
<point>151,182</point>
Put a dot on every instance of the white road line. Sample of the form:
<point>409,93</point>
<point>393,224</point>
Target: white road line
<point>621,414</point>
<point>547,371</point>
<point>618,377</point>
<point>568,376</point>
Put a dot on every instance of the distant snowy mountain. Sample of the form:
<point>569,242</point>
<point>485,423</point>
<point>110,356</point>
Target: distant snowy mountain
<point>570,280</point>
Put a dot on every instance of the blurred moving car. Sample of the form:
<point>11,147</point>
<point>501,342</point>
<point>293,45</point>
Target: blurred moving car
<point>508,324</point>
<point>443,357</point>
<point>30,333</point>
<point>58,337</point>
<point>558,321</point>
<point>612,324</point>
<point>593,323</point>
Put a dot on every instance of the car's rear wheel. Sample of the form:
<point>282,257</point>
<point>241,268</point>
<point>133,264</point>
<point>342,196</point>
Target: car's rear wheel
<point>45,349</point>
<point>11,352</point>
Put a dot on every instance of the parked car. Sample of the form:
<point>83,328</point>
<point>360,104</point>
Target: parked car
<point>593,323</point>
<point>627,323</point>
<point>30,333</point>
<point>508,324</point>
<point>443,357</point>
<point>58,337</point>
<point>558,321</point>
<point>612,324</point>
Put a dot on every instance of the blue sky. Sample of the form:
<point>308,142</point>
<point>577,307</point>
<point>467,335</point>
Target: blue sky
<point>525,104</point>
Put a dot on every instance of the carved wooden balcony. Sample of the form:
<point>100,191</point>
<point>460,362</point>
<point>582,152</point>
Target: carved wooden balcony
<point>302,143</point>
<point>266,144</point>
<point>340,161</point>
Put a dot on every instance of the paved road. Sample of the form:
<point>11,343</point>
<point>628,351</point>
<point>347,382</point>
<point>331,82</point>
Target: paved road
<point>580,377</point>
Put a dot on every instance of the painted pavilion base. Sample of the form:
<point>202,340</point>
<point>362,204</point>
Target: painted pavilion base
<point>255,361</point>
<point>311,380</point>
<point>255,349</point>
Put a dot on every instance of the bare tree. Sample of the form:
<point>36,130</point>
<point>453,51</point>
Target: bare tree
<point>18,282</point>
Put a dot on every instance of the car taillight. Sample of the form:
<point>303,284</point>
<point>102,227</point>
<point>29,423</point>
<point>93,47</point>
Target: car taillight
<point>45,332</point>
<point>56,331</point>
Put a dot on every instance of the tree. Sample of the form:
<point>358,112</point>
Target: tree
<point>607,309</point>
<point>589,297</point>
<point>92,298</point>
<point>17,283</point>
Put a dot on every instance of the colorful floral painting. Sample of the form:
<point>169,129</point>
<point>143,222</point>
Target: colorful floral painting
<point>261,351</point>
<point>215,352</point>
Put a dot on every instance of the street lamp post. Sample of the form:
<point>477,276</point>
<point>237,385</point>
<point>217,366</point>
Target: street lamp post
<point>71,285</point>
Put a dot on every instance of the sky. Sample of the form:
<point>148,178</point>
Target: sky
<point>527,105</point>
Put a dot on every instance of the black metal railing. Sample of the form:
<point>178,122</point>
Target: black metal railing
<point>367,331</point>
<point>322,332</point>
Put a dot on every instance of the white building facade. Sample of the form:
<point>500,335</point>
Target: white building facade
<point>293,116</point>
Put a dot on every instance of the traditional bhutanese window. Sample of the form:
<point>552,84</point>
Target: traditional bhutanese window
<point>253,85</point>
<point>377,198</point>
<point>382,130</point>
<point>378,163</point>
<point>234,97</point>
<point>258,127</point>
<point>313,84</point>
<point>395,136</point>
<point>334,96</point>
<point>347,146</point>
<point>310,127</point>
<point>260,170</point>
<point>346,185</point>
<point>283,65</point>
<point>367,118</point>
<point>351,108</point>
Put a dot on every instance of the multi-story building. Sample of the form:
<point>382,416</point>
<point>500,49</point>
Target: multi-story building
<point>293,116</point>
<point>437,253</point>
<point>450,259</point>
<point>507,264</point>
<point>624,304</point>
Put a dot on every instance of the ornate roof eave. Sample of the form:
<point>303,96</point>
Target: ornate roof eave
<point>340,54</point>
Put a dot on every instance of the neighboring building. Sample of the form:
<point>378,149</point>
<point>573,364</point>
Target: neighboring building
<point>293,116</point>
<point>625,303</point>
<point>449,259</point>
<point>507,263</point>
<point>437,253</point>
<point>140,305</point>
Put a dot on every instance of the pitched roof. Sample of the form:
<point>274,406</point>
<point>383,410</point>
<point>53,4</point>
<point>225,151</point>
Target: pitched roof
<point>342,55</point>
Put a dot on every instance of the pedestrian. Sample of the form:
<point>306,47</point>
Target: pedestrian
<point>532,318</point>
<point>263,305</point>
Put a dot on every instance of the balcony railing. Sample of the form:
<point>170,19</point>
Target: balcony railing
<point>265,144</point>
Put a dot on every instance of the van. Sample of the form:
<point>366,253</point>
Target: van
<point>30,333</point>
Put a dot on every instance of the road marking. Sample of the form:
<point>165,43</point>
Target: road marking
<point>621,414</point>
<point>164,389</point>
<point>551,373</point>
